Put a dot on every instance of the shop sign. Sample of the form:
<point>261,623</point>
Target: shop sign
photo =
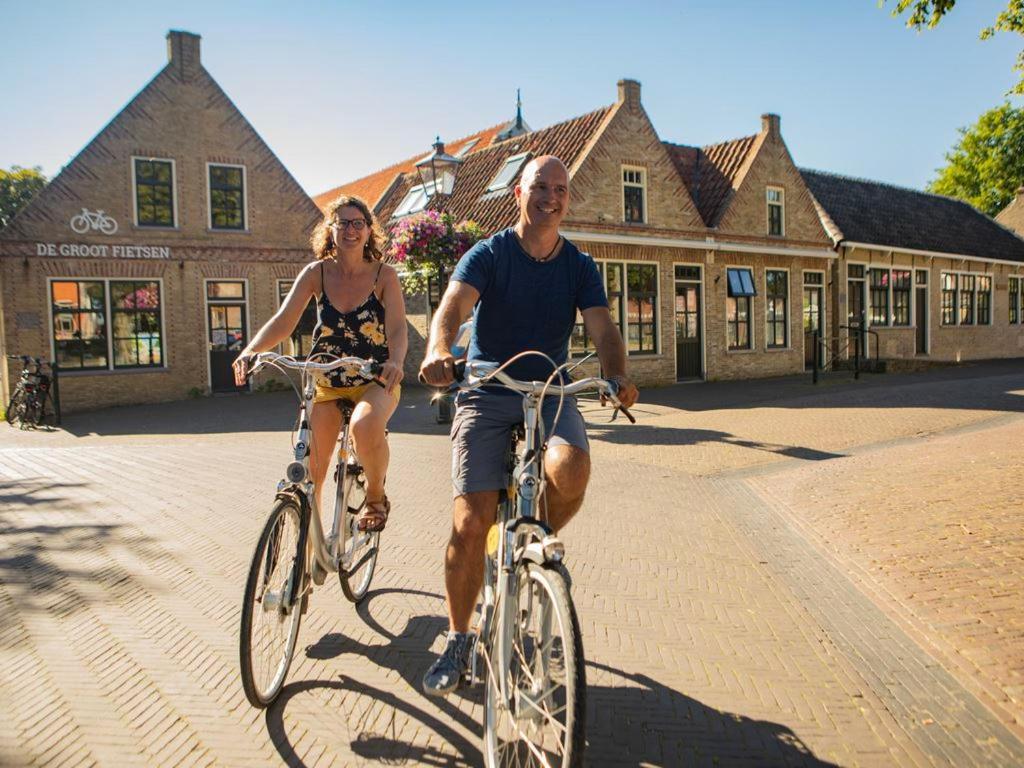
<point>95,251</point>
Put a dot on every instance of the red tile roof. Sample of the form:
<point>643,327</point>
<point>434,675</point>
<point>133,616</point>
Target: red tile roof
<point>371,187</point>
<point>711,173</point>
<point>497,210</point>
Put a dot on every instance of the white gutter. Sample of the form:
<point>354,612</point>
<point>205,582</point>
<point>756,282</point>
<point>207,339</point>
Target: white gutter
<point>701,245</point>
<point>930,254</point>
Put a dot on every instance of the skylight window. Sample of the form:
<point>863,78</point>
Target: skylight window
<point>415,200</point>
<point>464,149</point>
<point>508,173</point>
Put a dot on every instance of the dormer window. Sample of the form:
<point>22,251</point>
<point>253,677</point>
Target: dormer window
<point>508,173</point>
<point>776,211</point>
<point>634,195</point>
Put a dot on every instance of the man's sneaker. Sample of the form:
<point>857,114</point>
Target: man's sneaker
<point>448,670</point>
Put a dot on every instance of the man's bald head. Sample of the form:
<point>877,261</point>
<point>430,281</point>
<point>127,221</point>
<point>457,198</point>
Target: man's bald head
<point>549,166</point>
<point>543,193</point>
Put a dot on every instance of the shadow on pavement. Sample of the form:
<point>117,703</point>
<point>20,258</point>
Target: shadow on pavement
<point>28,552</point>
<point>678,436</point>
<point>639,723</point>
<point>654,725</point>
<point>227,414</point>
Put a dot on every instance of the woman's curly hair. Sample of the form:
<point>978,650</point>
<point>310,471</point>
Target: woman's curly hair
<point>323,243</point>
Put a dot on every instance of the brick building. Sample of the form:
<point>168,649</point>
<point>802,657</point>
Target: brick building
<point>721,261</point>
<point>143,266</point>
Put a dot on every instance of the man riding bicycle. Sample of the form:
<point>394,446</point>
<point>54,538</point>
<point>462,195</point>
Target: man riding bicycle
<point>524,286</point>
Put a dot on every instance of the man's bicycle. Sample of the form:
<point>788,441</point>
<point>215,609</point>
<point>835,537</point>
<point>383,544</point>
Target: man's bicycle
<point>28,404</point>
<point>529,650</point>
<point>294,552</point>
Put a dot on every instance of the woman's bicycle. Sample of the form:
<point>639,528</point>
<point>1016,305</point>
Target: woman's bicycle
<point>27,406</point>
<point>293,553</point>
<point>529,650</point>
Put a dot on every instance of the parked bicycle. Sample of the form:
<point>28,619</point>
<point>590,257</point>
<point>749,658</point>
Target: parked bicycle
<point>529,650</point>
<point>293,553</point>
<point>28,404</point>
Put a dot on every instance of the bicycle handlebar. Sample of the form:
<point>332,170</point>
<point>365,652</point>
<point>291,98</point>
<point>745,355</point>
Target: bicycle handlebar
<point>366,367</point>
<point>474,374</point>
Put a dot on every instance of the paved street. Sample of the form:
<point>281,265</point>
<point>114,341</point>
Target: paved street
<point>767,574</point>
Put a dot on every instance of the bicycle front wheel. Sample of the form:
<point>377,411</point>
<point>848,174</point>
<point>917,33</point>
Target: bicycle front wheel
<point>359,549</point>
<point>15,408</point>
<point>272,606</point>
<point>534,710</point>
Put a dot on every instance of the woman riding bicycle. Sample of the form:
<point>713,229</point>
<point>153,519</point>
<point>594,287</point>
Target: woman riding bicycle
<point>361,313</point>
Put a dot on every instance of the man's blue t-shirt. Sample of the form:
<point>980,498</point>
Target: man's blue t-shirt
<point>526,304</point>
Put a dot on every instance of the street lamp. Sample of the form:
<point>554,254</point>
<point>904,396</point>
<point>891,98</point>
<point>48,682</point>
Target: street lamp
<point>437,171</point>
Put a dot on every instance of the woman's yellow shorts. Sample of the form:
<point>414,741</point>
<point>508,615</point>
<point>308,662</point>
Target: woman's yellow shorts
<point>352,394</point>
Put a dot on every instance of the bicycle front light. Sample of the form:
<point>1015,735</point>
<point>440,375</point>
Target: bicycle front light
<point>554,550</point>
<point>295,472</point>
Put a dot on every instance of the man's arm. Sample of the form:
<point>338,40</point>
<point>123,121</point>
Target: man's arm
<point>438,365</point>
<point>610,351</point>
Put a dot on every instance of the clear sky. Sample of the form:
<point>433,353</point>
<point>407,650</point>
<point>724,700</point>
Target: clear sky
<point>340,89</point>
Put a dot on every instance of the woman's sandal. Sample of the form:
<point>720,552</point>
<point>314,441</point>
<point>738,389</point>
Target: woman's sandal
<point>374,516</point>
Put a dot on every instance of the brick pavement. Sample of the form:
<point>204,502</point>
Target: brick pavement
<point>718,628</point>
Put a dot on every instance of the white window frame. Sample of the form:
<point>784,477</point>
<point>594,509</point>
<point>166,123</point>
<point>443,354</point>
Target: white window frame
<point>280,300</point>
<point>108,319</point>
<point>624,328</point>
<point>643,186</point>
<point>789,309</point>
<point>467,148</point>
<point>768,203</point>
<point>174,193</point>
<point>956,313</point>
<point>752,341</point>
<point>891,311</point>
<point>494,186</point>
<point>245,199</point>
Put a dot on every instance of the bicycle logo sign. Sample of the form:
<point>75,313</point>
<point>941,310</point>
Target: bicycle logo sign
<point>93,220</point>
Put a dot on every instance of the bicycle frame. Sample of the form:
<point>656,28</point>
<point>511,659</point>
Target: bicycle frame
<point>323,551</point>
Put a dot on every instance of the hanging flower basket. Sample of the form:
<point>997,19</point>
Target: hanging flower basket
<point>429,243</point>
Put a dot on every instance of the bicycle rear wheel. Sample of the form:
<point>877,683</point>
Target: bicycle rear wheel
<point>272,605</point>
<point>359,549</point>
<point>537,650</point>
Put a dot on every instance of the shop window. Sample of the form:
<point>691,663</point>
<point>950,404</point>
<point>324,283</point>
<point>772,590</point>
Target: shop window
<point>634,195</point>
<point>135,320</point>
<point>776,211</point>
<point>983,285</point>
<point>776,291</point>
<point>879,290</point>
<point>104,324</point>
<point>948,299</point>
<point>641,308</point>
<point>154,192</point>
<point>79,311</point>
<point>740,288</point>
<point>301,340</point>
<point>901,297</point>
<point>632,303</point>
<point>966,315</point>
<point>1014,300</point>
<point>227,196</point>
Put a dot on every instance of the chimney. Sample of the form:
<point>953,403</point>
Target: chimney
<point>183,54</point>
<point>770,124</point>
<point>629,92</point>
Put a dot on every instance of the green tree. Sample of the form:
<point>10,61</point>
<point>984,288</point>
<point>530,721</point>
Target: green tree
<point>986,166</point>
<point>928,13</point>
<point>17,187</point>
